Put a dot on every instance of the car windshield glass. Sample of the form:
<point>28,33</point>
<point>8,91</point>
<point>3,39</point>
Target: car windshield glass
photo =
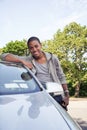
<point>16,80</point>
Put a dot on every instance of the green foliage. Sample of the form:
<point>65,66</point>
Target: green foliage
<point>0,50</point>
<point>17,47</point>
<point>83,86</point>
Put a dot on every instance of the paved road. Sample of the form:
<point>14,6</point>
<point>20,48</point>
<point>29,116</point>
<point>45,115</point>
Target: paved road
<point>78,110</point>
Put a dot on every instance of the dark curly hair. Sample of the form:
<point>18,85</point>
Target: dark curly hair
<point>32,39</point>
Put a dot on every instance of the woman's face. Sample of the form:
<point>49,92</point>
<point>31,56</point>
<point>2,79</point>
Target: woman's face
<point>35,48</point>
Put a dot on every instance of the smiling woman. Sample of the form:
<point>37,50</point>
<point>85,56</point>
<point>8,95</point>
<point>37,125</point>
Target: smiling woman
<point>46,66</point>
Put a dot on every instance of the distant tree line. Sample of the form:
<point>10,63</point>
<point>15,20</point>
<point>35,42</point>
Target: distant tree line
<point>70,45</point>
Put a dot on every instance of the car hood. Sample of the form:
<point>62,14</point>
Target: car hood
<point>30,112</point>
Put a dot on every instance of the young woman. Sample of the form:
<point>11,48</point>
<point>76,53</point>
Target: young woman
<point>46,66</point>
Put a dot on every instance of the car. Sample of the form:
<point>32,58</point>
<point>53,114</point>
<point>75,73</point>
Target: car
<point>26,105</point>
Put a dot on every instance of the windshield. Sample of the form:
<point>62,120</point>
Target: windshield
<point>16,80</point>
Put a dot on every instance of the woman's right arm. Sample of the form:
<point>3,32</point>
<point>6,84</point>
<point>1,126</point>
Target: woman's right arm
<point>10,57</point>
<point>13,58</point>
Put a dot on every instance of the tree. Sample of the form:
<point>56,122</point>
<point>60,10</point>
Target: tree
<point>77,37</point>
<point>70,45</point>
<point>0,50</point>
<point>17,47</point>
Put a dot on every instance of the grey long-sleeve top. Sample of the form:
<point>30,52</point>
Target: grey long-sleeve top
<point>55,68</point>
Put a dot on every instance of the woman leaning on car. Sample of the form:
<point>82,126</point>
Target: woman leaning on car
<point>46,66</point>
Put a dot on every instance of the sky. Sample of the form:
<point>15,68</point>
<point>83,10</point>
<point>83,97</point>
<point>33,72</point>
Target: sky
<point>21,19</point>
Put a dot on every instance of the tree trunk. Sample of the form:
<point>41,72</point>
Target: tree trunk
<point>77,89</point>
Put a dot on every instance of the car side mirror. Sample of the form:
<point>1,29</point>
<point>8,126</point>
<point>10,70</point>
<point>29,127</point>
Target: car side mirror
<point>25,76</point>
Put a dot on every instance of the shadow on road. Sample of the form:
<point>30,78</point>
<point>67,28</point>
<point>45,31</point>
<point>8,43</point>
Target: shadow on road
<point>82,123</point>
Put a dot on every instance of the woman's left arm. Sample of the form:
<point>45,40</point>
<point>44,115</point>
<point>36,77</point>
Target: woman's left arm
<point>62,79</point>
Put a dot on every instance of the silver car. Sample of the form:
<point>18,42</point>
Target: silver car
<point>26,105</point>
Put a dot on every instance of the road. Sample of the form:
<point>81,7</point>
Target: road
<point>78,110</point>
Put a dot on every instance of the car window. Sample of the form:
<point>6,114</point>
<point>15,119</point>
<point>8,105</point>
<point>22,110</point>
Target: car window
<point>16,80</point>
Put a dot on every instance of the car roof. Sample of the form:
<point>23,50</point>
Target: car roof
<point>11,63</point>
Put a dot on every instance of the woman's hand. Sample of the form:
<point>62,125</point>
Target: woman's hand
<point>28,64</point>
<point>66,94</point>
<point>66,100</point>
